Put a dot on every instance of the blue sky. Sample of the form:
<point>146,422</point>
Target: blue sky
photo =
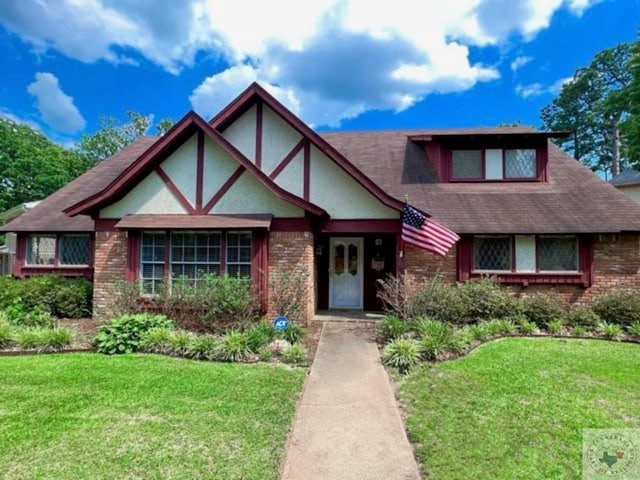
<point>338,64</point>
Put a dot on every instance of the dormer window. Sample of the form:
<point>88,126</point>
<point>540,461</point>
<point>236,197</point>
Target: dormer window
<point>494,164</point>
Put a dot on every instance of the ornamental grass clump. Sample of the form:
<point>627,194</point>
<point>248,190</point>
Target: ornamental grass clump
<point>634,329</point>
<point>294,354</point>
<point>180,343</point>
<point>293,333</point>
<point>611,331</point>
<point>436,338</point>
<point>260,335</point>
<point>203,347</point>
<point>391,327</point>
<point>233,347</point>
<point>44,339</point>
<point>6,334</point>
<point>156,340</point>
<point>402,354</point>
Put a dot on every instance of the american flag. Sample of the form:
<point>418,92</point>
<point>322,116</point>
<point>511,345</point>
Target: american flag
<point>424,233</point>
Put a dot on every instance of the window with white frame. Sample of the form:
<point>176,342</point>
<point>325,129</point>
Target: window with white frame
<point>191,256</point>
<point>239,254</point>
<point>526,254</point>
<point>152,262</point>
<point>68,249</point>
<point>194,254</point>
<point>494,164</point>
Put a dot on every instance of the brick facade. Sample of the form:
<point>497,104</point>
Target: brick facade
<point>616,264</point>
<point>293,250</point>
<point>110,264</point>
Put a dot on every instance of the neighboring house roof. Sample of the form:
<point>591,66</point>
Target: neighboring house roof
<point>574,200</point>
<point>17,210</point>
<point>627,177</point>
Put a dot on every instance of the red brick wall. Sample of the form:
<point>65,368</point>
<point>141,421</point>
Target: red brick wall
<point>110,264</point>
<point>616,264</point>
<point>289,250</point>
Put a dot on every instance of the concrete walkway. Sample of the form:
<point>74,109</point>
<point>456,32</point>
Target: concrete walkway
<point>348,425</point>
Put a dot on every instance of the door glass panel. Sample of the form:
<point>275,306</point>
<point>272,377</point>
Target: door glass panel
<point>338,265</point>
<point>353,259</point>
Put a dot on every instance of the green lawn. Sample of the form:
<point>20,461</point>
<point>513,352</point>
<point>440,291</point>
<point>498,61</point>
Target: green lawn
<point>88,416</point>
<point>515,408</point>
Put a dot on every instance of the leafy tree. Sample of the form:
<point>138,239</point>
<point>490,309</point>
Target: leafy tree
<point>631,126</point>
<point>593,106</point>
<point>31,166</point>
<point>113,136</point>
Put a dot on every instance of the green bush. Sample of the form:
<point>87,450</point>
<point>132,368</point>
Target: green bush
<point>391,328</point>
<point>233,347</point>
<point>483,299</point>
<point>6,334</point>
<point>620,307</point>
<point>527,327</point>
<point>634,329</point>
<point>402,354</point>
<point>579,331</point>
<point>156,340</point>
<point>555,327</point>
<point>260,335</point>
<point>542,308</point>
<point>293,333</point>
<point>584,316</point>
<point>612,331</point>
<point>17,314</point>
<point>438,301</point>
<point>62,297</point>
<point>125,334</point>
<point>295,354</point>
<point>44,339</point>
<point>203,347</point>
<point>436,338</point>
<point>180,342</point>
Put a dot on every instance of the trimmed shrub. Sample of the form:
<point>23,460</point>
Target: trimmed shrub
<point>391,328</point>
<point>542,308</point>
<point>612,331</point>
<point>402,354</point>
<point>580,315</point>
<point>293,333</point>
<point>438,301</point>
<point>265,354</point>
<point>6,334</point>
<point>621,306</point>
<point>17,314</point>
<point>483,299</point>
<point>203,347</point>
<point>124,334</point>
<point>233,347</point>
<point>260,335</point>
<point>295,354</point>
<point>62,297</point>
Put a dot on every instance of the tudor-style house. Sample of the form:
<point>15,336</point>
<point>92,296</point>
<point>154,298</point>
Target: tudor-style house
<point>255,191</point>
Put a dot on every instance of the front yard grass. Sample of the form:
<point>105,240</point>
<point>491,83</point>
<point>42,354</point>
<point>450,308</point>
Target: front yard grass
<point>515,408</point>
<point>143,416</point>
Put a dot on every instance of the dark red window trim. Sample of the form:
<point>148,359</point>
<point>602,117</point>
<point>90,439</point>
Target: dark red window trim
<point>259,259</point>
<point>22,269</point>
<point>584,277</point>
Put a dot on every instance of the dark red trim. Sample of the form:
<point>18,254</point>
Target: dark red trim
<point>255,93</point>
<point>175,191</point>
<point>133,255</point>
<point>74,272</point>
<point>186,127</point>
<point>291,225</point>
<point>287,160</point>
<point>259,135</point>
<point>223,189</point>
<point>260,267</point>
<point>307,170</point>
<point>21,253</point>
<point>106,224</point>
<point>199,172</point>
<point>361,226</point>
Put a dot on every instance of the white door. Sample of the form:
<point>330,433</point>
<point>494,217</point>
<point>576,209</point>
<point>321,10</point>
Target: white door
<point>345,272</point>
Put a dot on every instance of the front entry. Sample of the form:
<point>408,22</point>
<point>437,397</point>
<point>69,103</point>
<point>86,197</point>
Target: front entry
<point>346,272</point>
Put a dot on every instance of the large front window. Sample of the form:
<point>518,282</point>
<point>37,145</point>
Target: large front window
<point>192,255</point>
<point>525,254</point>
<point>58,250</point>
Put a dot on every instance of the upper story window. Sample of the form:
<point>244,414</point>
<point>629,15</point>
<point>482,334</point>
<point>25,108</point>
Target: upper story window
<point>494,164</point>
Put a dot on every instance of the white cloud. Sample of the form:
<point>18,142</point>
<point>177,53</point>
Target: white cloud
<point>536,89</point>
<point>519,62</point>
<point>336,58</point>
<point>55,106</point>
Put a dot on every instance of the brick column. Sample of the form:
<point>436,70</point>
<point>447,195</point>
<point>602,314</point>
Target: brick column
<point>293,250</point>
<point>110,265</point>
